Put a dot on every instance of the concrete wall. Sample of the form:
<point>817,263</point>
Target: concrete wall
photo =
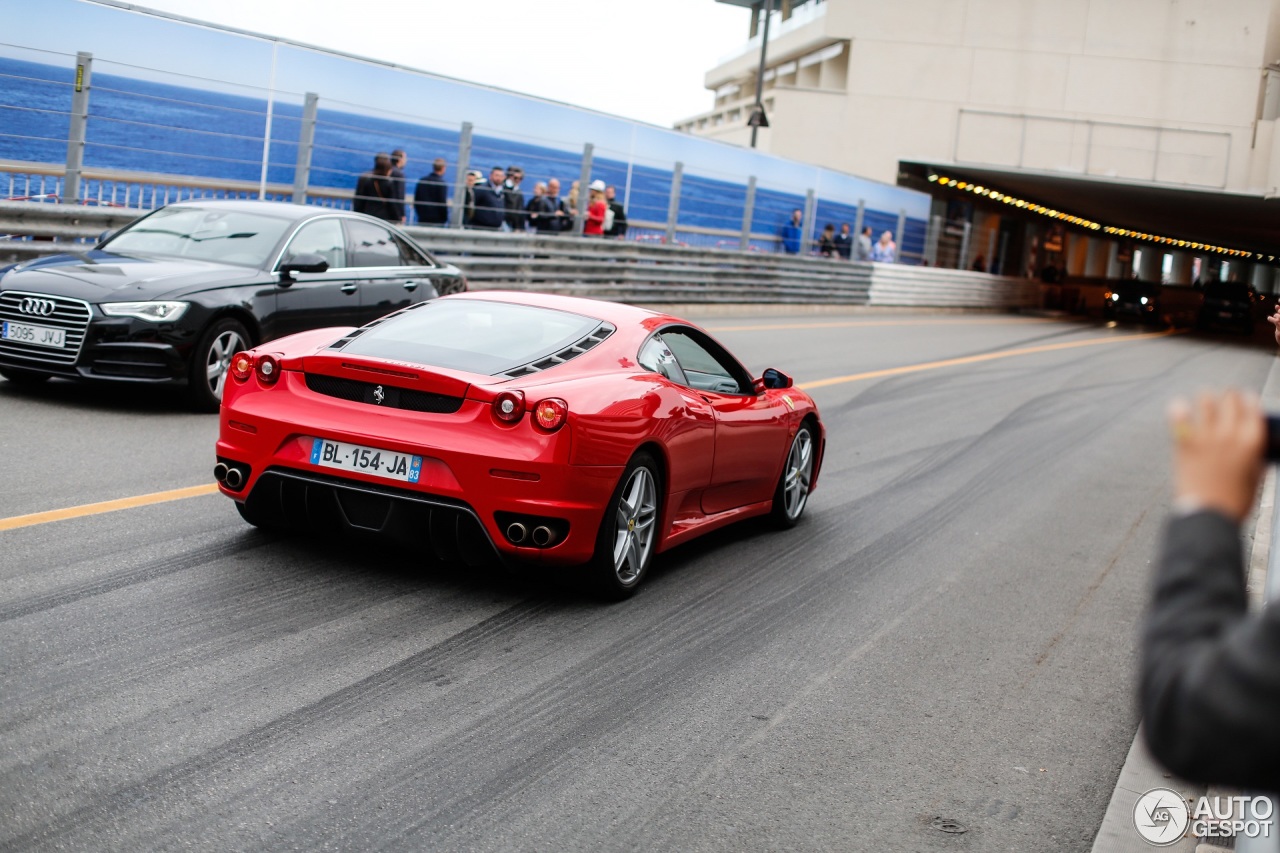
<point>1159,91</point>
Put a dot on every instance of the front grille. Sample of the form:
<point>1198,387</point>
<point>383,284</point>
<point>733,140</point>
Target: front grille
<point>392,397</point>
<point>71,315</point>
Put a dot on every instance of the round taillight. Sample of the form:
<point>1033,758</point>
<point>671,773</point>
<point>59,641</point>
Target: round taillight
<point>508,406</point>
<point>550,414</point>
<point>268,368</point>
<point>241,366</point>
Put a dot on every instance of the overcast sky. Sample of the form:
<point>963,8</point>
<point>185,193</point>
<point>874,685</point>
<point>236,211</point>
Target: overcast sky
<point>642,59</point>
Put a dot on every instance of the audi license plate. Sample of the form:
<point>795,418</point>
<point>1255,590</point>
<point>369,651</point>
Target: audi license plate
<point>366,460</point>
<point>41,336</point>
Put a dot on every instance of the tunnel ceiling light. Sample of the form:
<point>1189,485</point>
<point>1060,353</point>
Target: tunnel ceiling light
<point>1082,222</point>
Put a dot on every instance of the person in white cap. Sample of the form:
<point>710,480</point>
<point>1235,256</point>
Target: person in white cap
<point>596,207</point>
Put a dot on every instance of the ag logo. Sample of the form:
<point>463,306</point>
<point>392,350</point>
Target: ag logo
<point>1161,816</point>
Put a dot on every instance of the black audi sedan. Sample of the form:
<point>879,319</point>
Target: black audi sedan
<point>171,297</point>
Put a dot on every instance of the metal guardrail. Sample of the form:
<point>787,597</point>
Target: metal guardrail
<point>629,271</point>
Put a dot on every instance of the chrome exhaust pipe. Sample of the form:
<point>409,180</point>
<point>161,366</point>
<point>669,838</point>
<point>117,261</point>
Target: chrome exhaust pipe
<point>235,478</point>
<point>220,472</point>
<point>516,532</point>
<point>542,536</point>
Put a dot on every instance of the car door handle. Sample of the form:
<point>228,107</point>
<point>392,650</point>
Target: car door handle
<point>410,286</point>
<point>348,288</point>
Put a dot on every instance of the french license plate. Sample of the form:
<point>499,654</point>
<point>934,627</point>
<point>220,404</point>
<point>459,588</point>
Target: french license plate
<point>366,460</point>
<point>41,336</point>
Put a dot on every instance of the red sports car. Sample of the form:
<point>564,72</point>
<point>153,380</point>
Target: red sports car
<point>545,429</point>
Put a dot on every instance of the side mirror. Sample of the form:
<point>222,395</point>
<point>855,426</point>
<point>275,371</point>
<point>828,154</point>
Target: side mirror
<point>774,378</point>
<point>105,236</point>
<point>302,262</point>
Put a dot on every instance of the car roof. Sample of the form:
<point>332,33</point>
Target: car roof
<point>277,209</point>
<point>616,313</point>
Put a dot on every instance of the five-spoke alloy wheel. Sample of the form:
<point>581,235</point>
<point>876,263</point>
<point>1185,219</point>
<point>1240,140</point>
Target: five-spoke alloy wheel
<point>792,493</point>
<point>212,360</point>
<point>629,531</point>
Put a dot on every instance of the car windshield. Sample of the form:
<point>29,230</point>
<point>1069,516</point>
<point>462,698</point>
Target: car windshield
<point>201,233</point>
<point>474,335</point>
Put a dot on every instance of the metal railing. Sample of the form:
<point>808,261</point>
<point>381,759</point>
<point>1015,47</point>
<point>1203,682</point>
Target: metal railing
<point>628,271</point>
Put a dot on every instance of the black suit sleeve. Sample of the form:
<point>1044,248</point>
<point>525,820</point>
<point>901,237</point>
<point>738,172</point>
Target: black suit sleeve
<point>1210,671</point>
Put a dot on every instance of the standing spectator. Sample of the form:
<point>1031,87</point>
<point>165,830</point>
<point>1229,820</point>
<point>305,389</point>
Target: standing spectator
<point>885,251</point>
<point>844,241</point>
<point>827,243</point>
<point>547,213</point>
<point>374,191</point>
<point>618,228</point>
<point>534,206</point>
<point>398,161</point>
<point>474,177</point>
<point>791,233</point>
<point>491,202</point>
<point>572,205</point>
<point>431,196</point>
<point>593,225</point>
<point>515,216</point>
<point>864,244</point>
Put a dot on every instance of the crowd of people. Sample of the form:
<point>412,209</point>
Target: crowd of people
<point>843,245</point>
<point>498,203</point>
<point>493,203</point>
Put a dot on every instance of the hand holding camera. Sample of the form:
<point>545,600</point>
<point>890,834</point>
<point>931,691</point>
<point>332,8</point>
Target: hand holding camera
<point>1220,443</point>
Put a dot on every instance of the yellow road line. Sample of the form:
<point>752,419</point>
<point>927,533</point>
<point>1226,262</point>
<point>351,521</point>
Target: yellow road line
<point>974,359</point>
<point>17,521</point>
<point>905,321</point>
<point>106,506</point>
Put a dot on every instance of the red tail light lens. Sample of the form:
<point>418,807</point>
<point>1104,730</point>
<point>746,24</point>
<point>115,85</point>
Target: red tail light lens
<point>508,406</point>
<point>268,369</point>
<point>241,366</point>
<point>550,414</point>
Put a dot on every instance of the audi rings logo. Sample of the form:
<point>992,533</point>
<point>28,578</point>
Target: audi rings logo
<point>37,307</point>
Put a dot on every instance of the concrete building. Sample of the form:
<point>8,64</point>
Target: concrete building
<point>1147,118</point>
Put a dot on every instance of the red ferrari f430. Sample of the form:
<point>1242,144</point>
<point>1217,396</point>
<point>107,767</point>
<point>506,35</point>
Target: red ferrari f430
<point>541,429</point>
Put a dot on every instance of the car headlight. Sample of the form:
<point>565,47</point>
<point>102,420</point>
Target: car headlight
<point>1115,297</point>
<point>1144,300</point>
<point>154,312</point>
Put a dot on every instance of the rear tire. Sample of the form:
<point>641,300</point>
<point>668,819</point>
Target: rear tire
<point>211,361</point>
<point>792,494</point>
<point>628,536</point>
<point>18,376</point>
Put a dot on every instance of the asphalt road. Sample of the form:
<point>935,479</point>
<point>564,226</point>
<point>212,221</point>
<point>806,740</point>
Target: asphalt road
<point>950,632</point>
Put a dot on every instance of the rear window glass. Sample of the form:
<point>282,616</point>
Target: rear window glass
<point>473,335</point>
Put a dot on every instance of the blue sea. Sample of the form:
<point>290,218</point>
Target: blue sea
<point>142,125</point>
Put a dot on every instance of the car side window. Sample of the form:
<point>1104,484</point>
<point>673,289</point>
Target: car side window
<point>704,369</point>
<point>324,238</point>
<point>656,357</point>
<point>371,245</point>
<point>409,257</point>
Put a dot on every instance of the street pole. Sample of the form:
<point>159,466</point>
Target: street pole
<point>764,45</point>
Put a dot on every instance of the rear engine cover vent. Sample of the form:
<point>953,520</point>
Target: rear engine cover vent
<point>602,332</point>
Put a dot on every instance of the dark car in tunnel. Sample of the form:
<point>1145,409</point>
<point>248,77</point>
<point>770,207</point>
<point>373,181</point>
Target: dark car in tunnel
<point>1228,305</point>
<point>1133,300</point>
<point>171,297</point>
